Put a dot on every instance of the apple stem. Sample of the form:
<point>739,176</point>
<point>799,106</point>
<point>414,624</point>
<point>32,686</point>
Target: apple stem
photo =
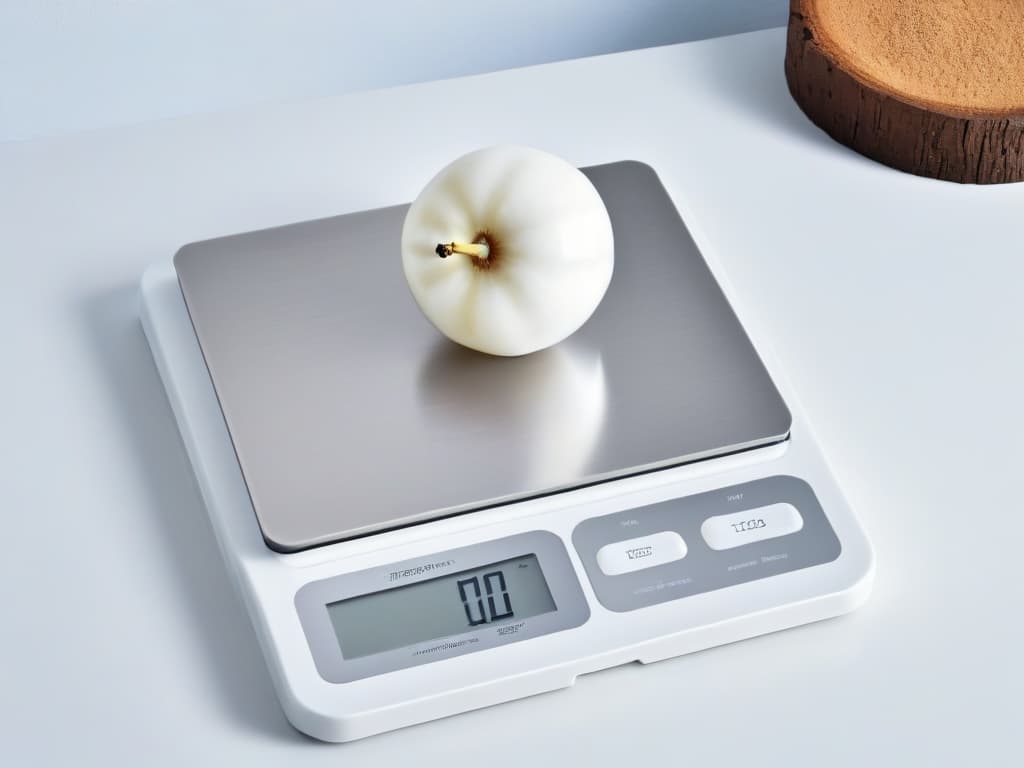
<point>477,250</point>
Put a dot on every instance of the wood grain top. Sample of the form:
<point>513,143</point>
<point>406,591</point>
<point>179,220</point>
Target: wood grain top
<point>966,56</point>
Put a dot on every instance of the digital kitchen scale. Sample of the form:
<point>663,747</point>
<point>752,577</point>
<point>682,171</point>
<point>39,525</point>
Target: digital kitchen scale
<point>418,529</point>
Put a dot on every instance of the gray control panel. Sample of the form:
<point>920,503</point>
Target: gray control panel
<point>649,555</point>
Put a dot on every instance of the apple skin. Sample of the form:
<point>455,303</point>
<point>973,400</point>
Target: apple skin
<point>550,243</point>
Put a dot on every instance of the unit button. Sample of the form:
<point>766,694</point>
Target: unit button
<point>750,525</point>
<point>641,552</point>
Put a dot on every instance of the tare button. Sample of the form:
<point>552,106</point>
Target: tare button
<point>641,552</point>
<point>750,525</point>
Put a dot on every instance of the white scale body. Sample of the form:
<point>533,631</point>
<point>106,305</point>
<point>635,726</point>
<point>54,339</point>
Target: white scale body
<point>649,531</point>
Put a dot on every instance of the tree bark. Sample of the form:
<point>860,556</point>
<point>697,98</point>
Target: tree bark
<point>968,147</point>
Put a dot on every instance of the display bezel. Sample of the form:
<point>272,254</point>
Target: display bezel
<point>311,601</point>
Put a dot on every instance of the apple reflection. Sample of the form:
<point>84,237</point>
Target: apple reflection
<point>543,412</point>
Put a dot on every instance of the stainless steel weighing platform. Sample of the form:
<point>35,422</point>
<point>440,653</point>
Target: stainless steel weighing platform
<point>350,414</point>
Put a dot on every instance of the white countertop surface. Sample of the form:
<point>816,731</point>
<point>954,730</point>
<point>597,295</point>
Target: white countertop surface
<point>894,303</point>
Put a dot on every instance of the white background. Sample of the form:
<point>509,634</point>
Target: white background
<point>894,305</point>
<point>72,65</point>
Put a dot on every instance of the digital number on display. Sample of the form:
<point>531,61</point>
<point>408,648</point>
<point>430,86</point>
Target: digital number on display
<point>499,605</point>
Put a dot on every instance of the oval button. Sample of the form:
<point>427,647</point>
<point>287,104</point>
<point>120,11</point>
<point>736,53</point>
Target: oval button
<point>641,552</point>
<point>750,525</point>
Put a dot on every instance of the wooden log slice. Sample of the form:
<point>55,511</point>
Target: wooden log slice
<point>931,87</point>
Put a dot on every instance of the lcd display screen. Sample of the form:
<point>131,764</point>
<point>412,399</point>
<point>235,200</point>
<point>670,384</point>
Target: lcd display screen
<point>502,592</point>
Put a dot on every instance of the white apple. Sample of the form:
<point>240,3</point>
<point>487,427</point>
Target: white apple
<point>508,250</point>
